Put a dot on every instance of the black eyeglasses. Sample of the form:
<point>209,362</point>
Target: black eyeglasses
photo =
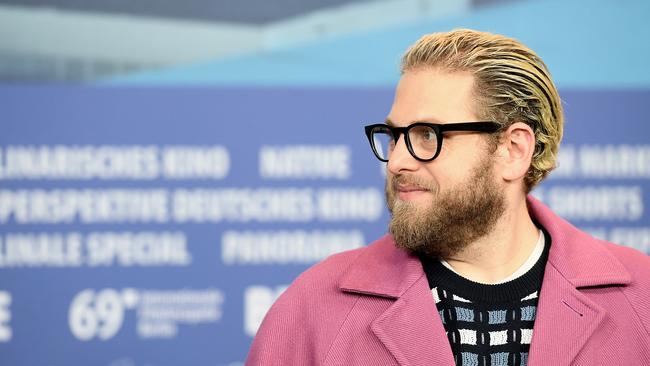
<point>423,140</point>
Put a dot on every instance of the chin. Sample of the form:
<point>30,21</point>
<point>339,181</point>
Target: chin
<point>416,206</point>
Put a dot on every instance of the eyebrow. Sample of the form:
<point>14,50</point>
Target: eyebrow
<point>427,120</point>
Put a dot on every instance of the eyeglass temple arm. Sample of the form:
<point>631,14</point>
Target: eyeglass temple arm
<point>486,126</point>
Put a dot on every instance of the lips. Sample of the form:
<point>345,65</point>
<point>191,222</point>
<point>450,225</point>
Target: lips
<point>408,192</point>
<point>408,188</point>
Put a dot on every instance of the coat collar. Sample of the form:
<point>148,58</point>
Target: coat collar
<point>577,256</point>
<point>384,270</point>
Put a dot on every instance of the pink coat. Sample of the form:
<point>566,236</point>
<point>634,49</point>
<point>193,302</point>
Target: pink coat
<point>373,306</point>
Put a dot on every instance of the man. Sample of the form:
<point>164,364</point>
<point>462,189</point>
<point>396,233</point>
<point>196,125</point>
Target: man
<point>474,271</point>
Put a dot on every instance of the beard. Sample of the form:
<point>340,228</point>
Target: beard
<point>452,220</point>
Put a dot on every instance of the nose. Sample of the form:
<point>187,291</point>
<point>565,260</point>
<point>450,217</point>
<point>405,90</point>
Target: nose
<point>400,159</point>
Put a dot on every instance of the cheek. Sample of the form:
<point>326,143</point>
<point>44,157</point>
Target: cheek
<point>438,177</point>
<point>457,167</point>
<point>450,180</point>
<point>388,188</point>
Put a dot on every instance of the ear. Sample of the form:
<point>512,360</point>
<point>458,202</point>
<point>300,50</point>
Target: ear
<point>515,149</point>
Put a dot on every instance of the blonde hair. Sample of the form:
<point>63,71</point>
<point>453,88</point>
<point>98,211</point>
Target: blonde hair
<point>511,84</point>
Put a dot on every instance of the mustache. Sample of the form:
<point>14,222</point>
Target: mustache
<point>411,180</point>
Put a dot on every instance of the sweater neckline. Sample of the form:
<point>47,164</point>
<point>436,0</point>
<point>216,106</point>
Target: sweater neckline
<point>440,276</point>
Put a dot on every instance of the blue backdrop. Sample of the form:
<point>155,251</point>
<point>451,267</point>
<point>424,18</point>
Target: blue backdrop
<point>156,226</point>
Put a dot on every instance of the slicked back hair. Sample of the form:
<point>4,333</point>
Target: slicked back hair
<point>511,84</point>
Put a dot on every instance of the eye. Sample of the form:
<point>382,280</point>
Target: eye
<point>429,136</point>
<point>424,135</point>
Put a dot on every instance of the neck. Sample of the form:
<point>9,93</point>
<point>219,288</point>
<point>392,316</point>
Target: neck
<point>502,251</point>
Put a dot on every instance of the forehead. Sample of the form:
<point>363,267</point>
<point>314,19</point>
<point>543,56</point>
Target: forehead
<point>433,95</point>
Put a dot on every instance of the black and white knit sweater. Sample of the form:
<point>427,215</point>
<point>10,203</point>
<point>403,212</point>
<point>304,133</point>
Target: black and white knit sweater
<point>487,325</point>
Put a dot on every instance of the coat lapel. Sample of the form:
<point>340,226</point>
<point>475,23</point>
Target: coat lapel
<point>410,328</point>
<point>566,318</point>
<point>565,321</point>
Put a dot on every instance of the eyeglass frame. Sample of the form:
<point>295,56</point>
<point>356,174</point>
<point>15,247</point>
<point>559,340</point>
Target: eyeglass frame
<point>438,128</point>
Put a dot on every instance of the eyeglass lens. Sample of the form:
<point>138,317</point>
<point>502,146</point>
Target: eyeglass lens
<point>424,142</point>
